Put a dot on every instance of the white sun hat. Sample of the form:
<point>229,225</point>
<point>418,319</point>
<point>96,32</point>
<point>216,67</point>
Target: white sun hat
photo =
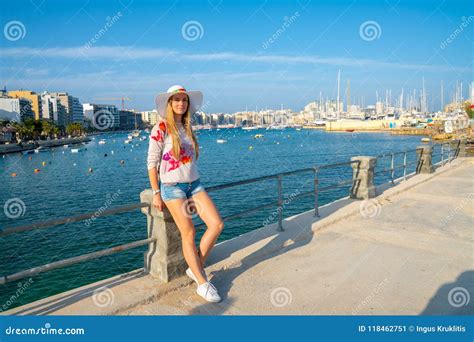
<point>161,100</point>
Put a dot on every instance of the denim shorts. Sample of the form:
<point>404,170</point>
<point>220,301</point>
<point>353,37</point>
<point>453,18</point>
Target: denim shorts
<point>170,191</point>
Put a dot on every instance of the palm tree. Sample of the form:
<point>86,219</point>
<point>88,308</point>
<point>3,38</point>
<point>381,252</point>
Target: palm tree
<point>47,128</point>
<point>23,131</point>
<point>74,129</point>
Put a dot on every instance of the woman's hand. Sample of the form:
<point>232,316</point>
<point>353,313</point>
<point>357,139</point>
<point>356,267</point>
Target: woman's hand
<point>158,202</point>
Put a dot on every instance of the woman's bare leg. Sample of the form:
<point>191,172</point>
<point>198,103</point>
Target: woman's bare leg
<point>208,212</point>
<point>188,233</point>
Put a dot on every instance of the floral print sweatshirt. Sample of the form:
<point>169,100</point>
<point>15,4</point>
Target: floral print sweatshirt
<point>171,169</point>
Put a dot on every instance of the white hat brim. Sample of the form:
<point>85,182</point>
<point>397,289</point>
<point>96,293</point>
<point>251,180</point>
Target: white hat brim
<point>195,101</point>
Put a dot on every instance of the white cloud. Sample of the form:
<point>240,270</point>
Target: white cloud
<point>132,53</point>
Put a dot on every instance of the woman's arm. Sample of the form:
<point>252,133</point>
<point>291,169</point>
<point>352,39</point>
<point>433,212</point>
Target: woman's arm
<point>155,148</point>
<point>154,178</point>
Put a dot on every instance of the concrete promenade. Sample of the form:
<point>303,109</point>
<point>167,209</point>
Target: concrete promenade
<point>408,251</point>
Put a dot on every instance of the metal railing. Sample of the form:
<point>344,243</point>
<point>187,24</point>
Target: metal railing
<point>444,160</point>
<point>279,201</point>
<point>76,259</point>
<point>405,165</point>
<point>394,167</point>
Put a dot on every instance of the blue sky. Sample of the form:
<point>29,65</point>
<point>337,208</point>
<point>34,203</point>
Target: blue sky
<point>146,48</point>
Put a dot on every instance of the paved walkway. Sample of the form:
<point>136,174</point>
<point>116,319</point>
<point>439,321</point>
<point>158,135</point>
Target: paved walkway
<point>409,251</point>
<point>402,254</point>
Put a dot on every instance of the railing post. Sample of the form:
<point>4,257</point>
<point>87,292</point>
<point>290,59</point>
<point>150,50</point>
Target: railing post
<point>392,168</point>
<point>316,193</point>
<point>461,150</point>
<point>164,258</point>
<point>405,166</point>
<point>363,177</point>
<point>425,159</point>
<point>442,154</point>
<point>449,153</point>
<point>454,148</point>
<point>280,205</point>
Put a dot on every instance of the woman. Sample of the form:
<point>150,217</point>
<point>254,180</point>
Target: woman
<point>174,178</point>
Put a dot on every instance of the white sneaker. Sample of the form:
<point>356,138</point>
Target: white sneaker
<point>191,275</point>
<point>208,292</point>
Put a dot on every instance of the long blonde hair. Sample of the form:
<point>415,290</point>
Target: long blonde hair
<point>173,130</point>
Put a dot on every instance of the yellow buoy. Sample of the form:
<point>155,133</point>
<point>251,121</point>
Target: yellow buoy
<point>43,163</point>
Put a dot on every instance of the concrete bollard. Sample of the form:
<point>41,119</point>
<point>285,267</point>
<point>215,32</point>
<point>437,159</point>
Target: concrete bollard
<point>425,159</point>
<point>363,177</point>
<point>164,258</point>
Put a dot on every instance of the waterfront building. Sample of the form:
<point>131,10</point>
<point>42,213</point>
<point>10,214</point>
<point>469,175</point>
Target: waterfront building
<point>15,109</point>
<point>31,96</point>
<point>74,109</point>
<point>130,119</point>
<point>102,116</point>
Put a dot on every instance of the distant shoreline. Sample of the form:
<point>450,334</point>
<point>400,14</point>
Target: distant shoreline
<point>15,148</point>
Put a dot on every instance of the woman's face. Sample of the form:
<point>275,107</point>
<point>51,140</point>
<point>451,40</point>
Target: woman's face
<point>179,103</point>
